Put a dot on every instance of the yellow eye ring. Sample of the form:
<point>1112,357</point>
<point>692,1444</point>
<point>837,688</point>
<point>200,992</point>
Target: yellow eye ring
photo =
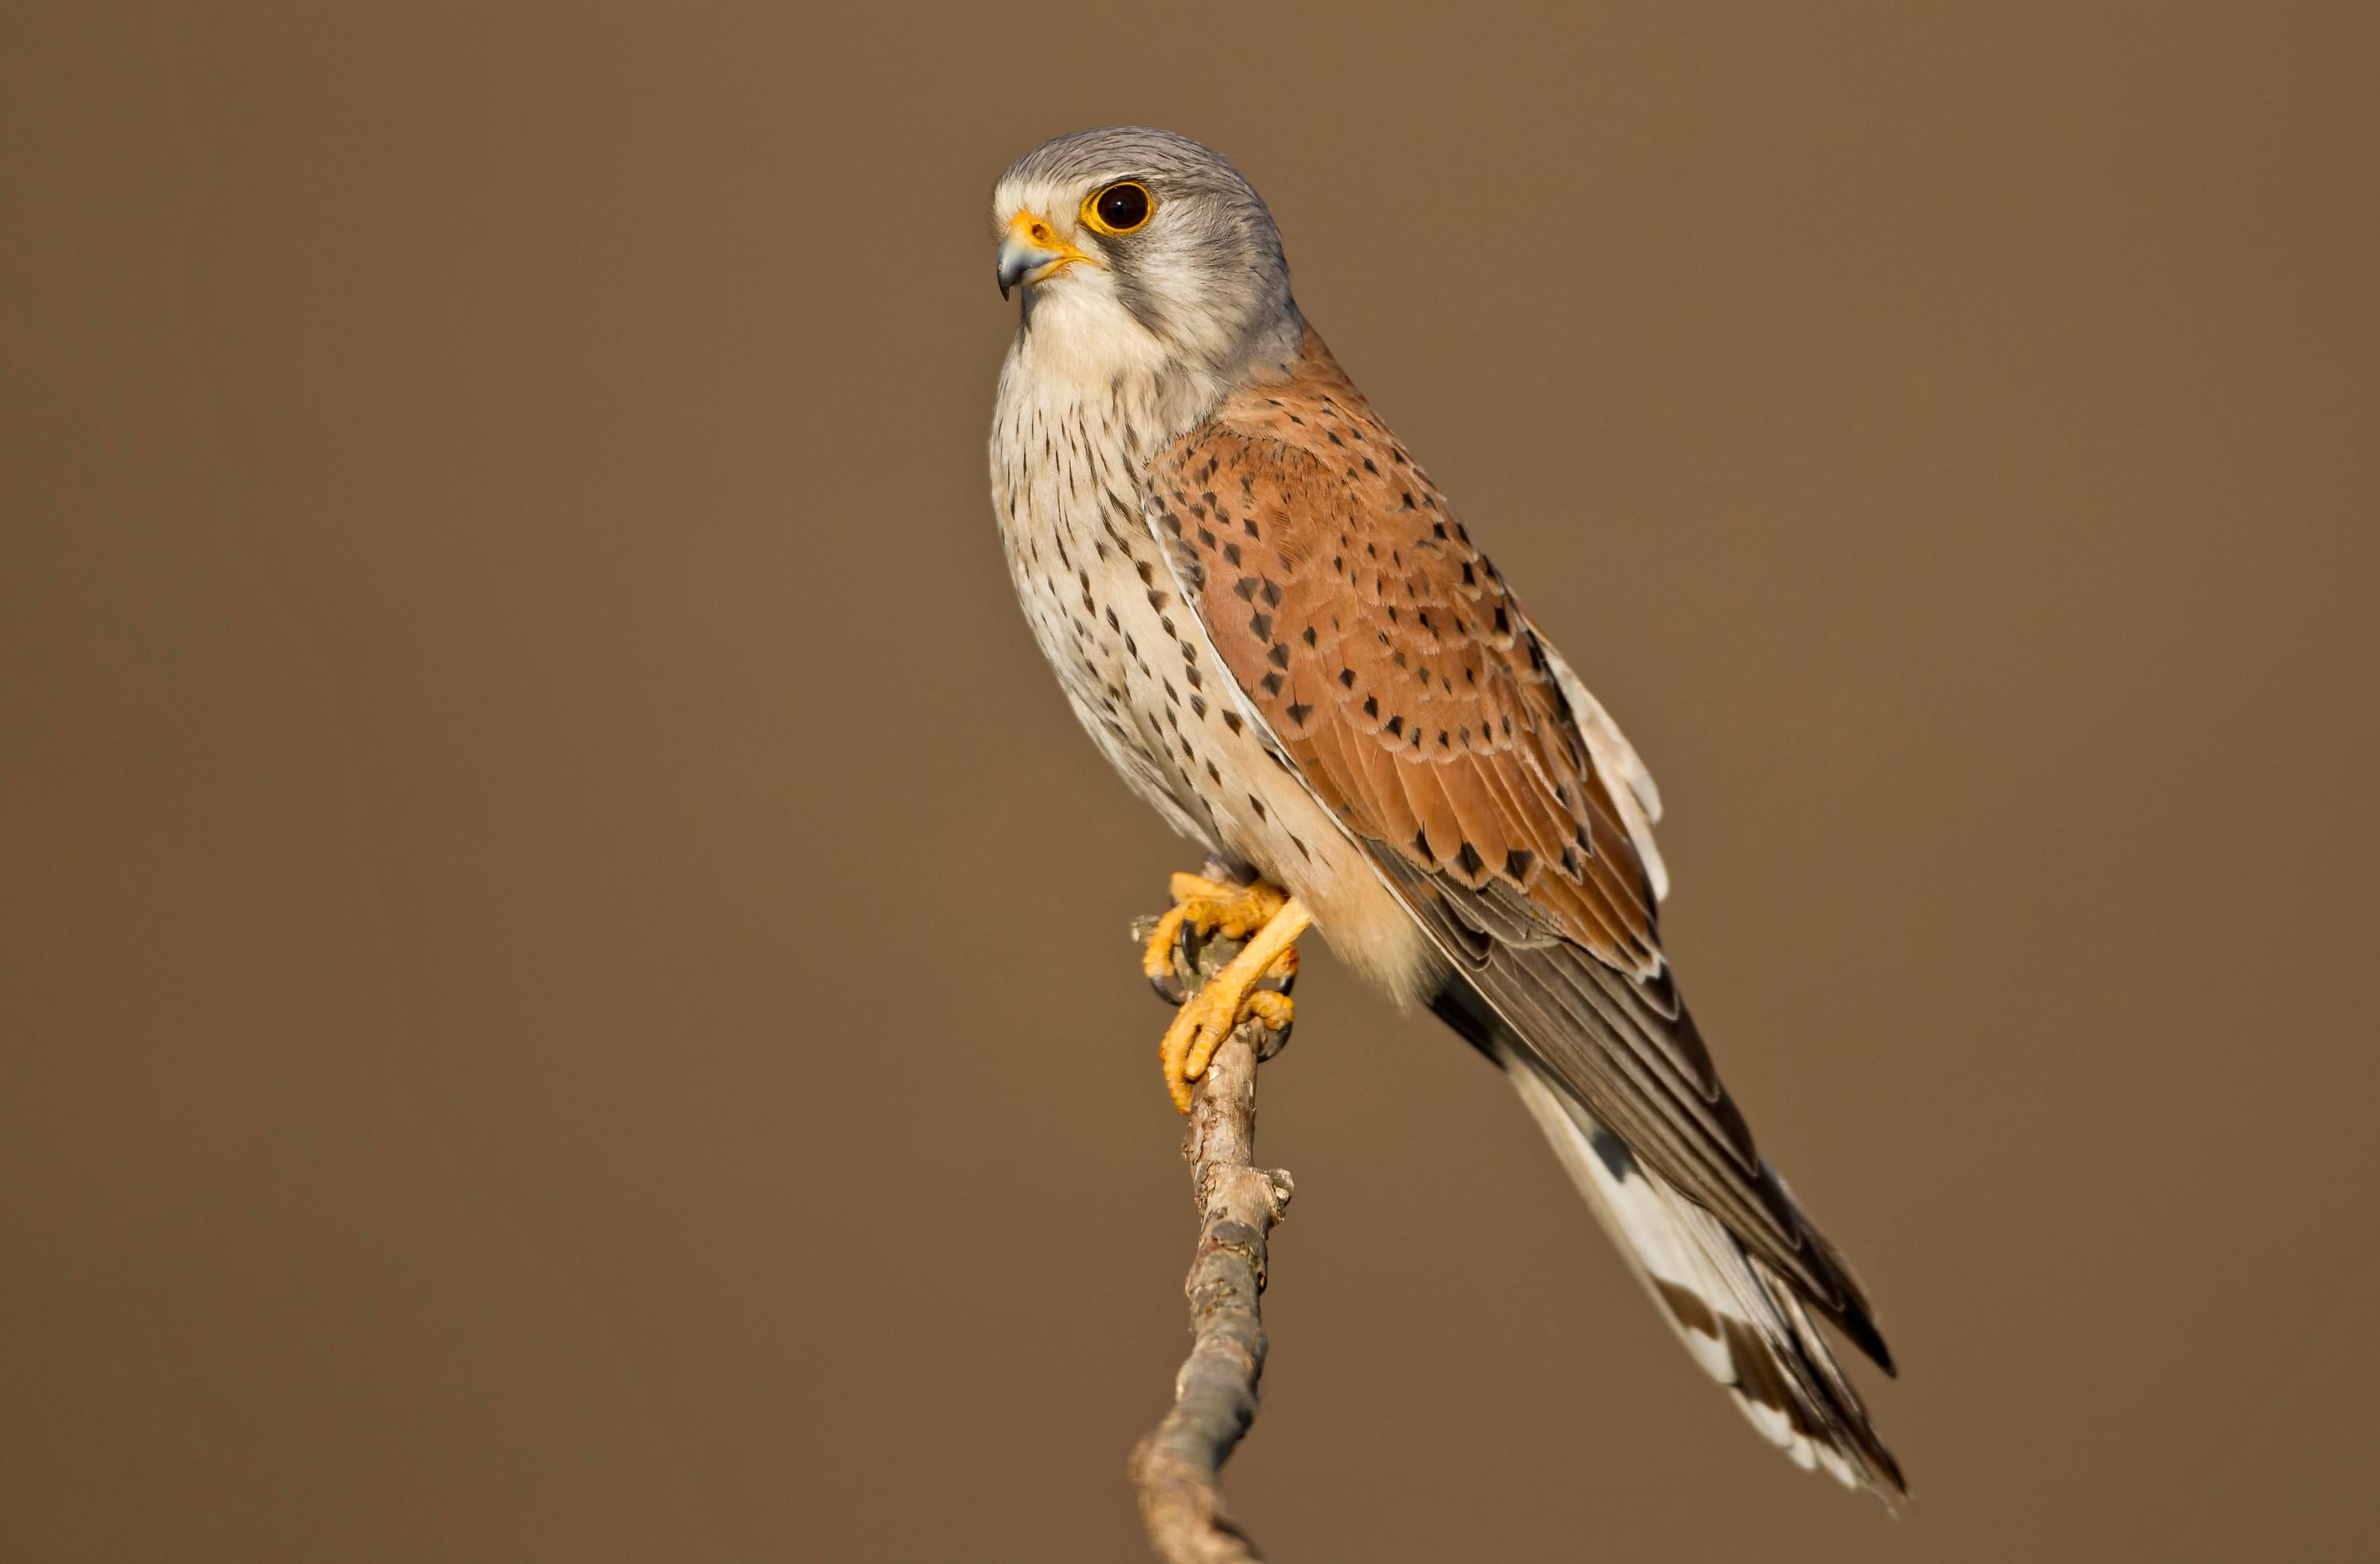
<point>1122,208</point>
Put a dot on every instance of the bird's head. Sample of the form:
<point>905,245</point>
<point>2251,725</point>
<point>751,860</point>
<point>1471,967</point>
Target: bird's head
<point>1143,249</point>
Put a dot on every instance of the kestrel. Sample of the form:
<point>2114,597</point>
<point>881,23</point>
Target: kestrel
<point>1274,626</point>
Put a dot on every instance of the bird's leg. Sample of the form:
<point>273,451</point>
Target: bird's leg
<point>1208,1015</point>
<point>1204,906</point>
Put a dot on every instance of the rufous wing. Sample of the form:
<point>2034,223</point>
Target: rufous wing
<point>1415,699</point>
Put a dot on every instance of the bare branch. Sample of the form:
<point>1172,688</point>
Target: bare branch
<point>1175,1466</point>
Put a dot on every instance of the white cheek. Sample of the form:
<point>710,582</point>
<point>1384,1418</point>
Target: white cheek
<point>1169,277</point>
<point>1082,333</point>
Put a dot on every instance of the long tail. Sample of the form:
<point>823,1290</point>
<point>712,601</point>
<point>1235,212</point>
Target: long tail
<point>1739,1318</point>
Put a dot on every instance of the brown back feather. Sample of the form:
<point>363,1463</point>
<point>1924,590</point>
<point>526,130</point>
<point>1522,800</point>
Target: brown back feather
<point>1416,702</point>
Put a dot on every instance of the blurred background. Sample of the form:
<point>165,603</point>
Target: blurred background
<point>563,962</point>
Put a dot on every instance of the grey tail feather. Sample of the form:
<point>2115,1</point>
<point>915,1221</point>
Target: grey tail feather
<point>1738,1320</point>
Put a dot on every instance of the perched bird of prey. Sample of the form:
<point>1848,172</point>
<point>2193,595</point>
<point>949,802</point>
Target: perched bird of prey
<point>1274,626</point>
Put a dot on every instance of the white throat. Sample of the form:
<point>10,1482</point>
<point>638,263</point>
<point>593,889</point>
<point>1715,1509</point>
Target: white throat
<point>1077,345</point>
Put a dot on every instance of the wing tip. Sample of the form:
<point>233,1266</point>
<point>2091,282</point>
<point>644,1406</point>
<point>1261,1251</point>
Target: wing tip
<point>1861,1332</point>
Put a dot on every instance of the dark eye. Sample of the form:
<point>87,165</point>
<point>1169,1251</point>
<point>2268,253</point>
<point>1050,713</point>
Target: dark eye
<point>1120,208</point>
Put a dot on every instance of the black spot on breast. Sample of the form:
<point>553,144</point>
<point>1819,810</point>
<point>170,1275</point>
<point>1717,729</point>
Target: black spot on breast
<point>1231,721</point>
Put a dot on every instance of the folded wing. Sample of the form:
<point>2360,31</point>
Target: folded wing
<point>1414,699</point>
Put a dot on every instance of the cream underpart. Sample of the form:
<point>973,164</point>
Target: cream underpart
<point>1086,399</point>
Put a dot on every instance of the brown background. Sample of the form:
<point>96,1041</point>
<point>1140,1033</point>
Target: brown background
<point>563,978</point>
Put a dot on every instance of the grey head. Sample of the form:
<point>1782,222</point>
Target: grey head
<point>1144,248</point>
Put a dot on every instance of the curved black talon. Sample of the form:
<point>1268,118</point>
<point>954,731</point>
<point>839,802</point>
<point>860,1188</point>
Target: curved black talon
<point>1187,943</point>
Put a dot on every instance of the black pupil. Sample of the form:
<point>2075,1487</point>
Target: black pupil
<point>1123,206</point>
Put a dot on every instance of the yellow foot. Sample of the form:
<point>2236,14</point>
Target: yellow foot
<point>1210,907</point>
<point>1231,994</point>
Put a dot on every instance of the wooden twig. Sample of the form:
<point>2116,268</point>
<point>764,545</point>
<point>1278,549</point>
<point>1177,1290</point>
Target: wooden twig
<point>1175,1466</point>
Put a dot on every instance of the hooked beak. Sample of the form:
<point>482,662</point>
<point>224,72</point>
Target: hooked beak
<point>1032,251</point>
